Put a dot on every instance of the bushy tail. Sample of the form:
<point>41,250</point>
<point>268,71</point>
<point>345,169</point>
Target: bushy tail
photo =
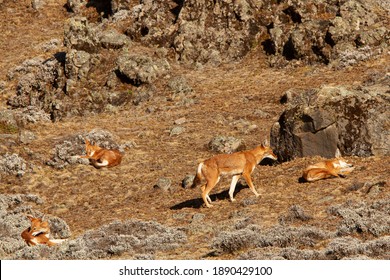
<point>98,164</point>
<point>198,176</point>
<point>53,242</point>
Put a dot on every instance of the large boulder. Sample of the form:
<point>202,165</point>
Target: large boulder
<point>317,122</point>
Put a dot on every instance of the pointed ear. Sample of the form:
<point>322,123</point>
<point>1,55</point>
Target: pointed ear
<point>337,154</point>
<point>43,217</point>
<point>265,143</point>
<point>31,218</point>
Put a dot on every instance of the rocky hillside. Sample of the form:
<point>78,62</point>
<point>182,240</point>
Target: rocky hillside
<point>171,83</point>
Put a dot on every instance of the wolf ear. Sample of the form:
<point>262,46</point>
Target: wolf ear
<point>337,154</point>
<point>30,217</point>
<point>265,143</point>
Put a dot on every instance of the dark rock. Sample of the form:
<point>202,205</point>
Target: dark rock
<point>317,123</point>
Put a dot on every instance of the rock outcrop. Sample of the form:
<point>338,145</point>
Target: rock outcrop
<point>192,33</point>
<point>40,84</point>
<point>319,121</point>
<point>324,31</point>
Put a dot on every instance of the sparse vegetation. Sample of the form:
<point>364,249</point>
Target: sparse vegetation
<point>361,218</point>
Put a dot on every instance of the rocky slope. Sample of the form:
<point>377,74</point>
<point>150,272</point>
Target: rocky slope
<point>172,82</point>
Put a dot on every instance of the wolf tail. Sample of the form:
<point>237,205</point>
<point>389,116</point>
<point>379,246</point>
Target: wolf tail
<point>97,164</point>
<point>198,176</point>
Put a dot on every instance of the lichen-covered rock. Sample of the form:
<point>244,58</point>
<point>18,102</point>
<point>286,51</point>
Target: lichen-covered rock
<point>224,30</point>
<point>117,5</point>
<point>112,39</point>
<point>132,237</point>
<point>225,144</point>
<point>12,164</point>
<point>187,181</point>
<point>31,114</point>
<point>228,30</point>
<point>40,84</point>
<point>153,22</point>
<point>320,121</point>
<point>77,64</point>
<point>81,35</point>
<point>179,85</point>
<point>8,122</point>
<point>13,220</point>
<point>68,151</point>
<point>26,136</point>
<point>321,31</point>
<point>75,5</point>
<point>37,4</point>
<point>164,184</point>
<point>141,69</point>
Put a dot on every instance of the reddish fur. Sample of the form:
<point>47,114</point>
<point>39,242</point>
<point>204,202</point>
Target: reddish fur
<point>98,155</point>
<point>42,231</point>
<point>325,169</point>
<point>236,164</point>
